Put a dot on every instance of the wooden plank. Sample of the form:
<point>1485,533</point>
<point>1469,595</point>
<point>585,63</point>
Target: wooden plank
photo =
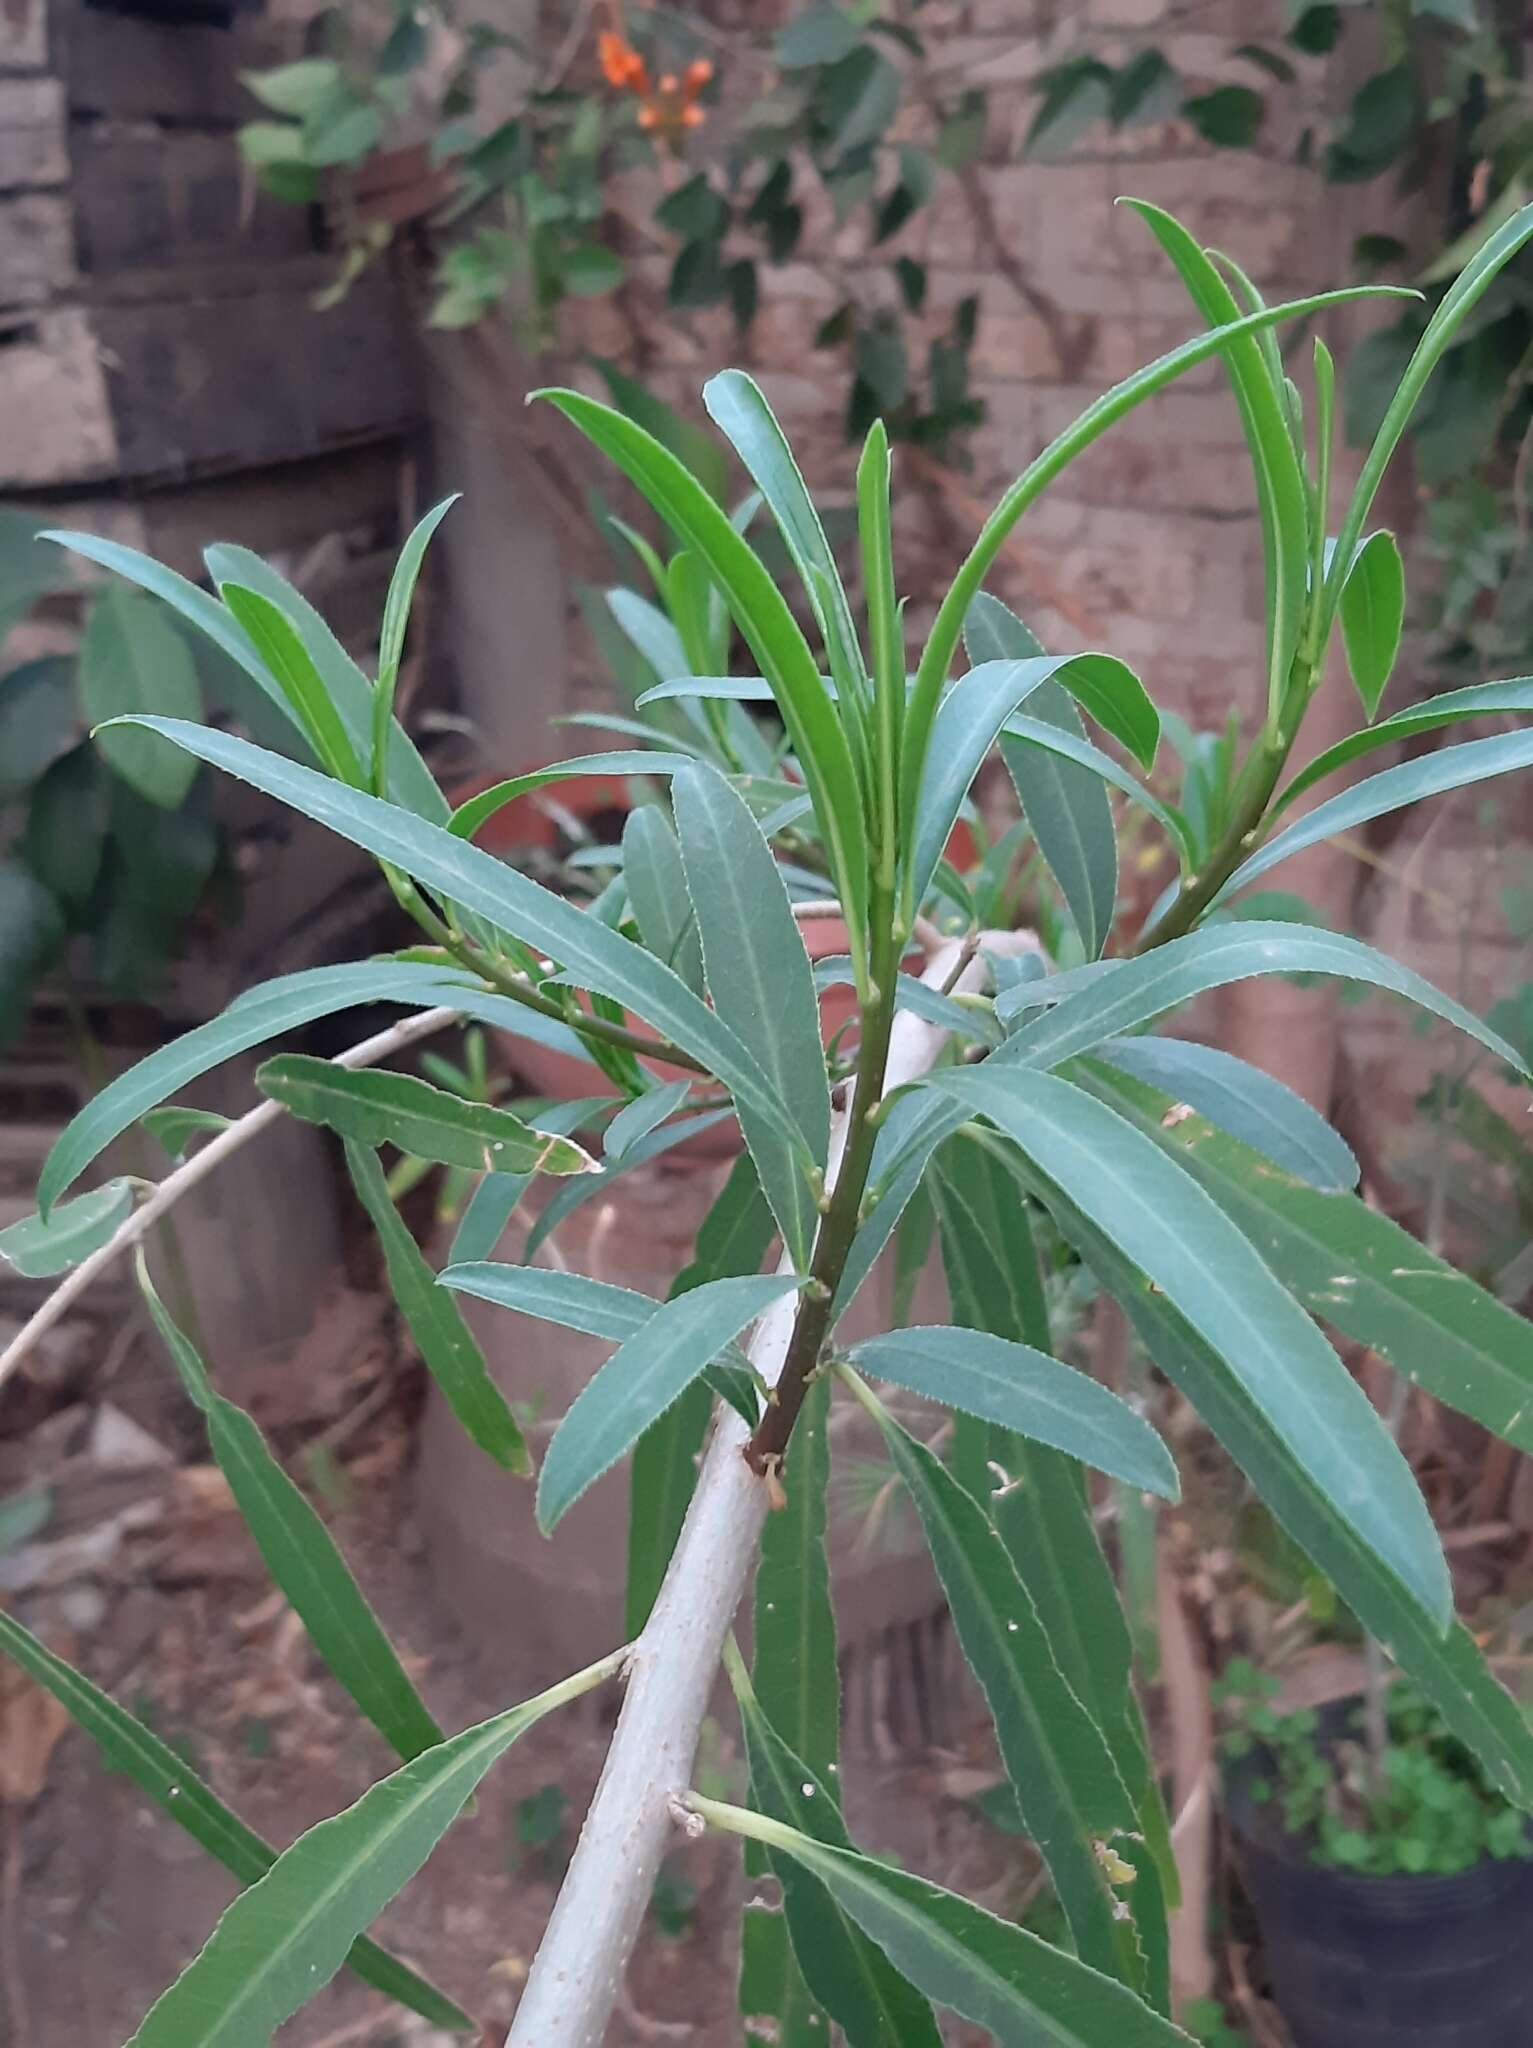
<point>32,146</point>
<point>58,421</point>
<point>173,199</point>
<point>125,65</point>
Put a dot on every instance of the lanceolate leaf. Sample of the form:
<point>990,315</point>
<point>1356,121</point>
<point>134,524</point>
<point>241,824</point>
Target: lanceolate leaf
<point>1244,1101</point>
<point>285,1938</point>
<point>280,646</point>
<point>1054,739</point>
<point>301,1556</point>
<point>391,637</point>
<point>1448,1668</point>
<point>265,1012</point>
<point>1109,998</point>
<point>1068,813</point>
<point>638,1118</point>
<point>1391,790</point>
<point>731,1241</point>
<point>601,959</point>
<point>850,1976</point>
<point>640,1381</point>
<point>762,614</point>
<point>1355,1268</point>
<point>452,1357</point>
<point>476,811</point>
<point>158,1771</point>
<point>377,1107</point>
<point>1162,1220</point>
<point>595,1307</point>
<point>796,1678</point>
<point>1482,700</point>
<point>1372,615</point>
<point>1067,1786</point>
<point>1023,1389</point>
<point>1024,1992</point>
<point>658,894</point>
<point>37,1249</point>
<point>492,1202</point>
<point>761,983</point>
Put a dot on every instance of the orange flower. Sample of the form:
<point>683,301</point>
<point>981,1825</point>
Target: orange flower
<point>621,64</point>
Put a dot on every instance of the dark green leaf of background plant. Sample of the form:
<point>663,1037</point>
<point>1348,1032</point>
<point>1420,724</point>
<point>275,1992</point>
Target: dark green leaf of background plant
<point>132,660</point>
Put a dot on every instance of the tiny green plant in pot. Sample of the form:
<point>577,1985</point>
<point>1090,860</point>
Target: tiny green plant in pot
<point>1215,1206</point>
<point>1392,1881</point>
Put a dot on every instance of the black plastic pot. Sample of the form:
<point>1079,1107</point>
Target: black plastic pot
<point>1387,1962</point>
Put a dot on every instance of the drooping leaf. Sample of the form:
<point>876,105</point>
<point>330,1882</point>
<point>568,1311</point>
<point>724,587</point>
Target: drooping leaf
<point>175,1128</point>
<point>477,810</point>
<point>731,1242</point>
<point>607,963</point>
<point>1023,1991</point>
<point>638,1118</point>
<point>1244,1101</point>
<point>132,660</point>
<point>265,1012</point>
<point>850,1976</point>
<point>1483,699</point>
<point>1212,1275</point>
<point>301,1555</point>
<point>446,1344</point>
<point>378,1107</point>
<point>1063,802</point>
<point>127,1745</point>
<point>761,983</point>
<point>770,631</point>
<point>1022,1389</point>
<point>1357,1269</point>
<point>1109,998</point>
<point>1067,1786</point>
<point>285,1938</point>
<point>640,1381</point>
<point>1390,790</point>
<point>37,1248</point>
<point>1372,615</point>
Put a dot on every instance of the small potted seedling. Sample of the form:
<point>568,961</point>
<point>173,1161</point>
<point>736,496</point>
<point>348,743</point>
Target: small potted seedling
<point>1392,1882</point>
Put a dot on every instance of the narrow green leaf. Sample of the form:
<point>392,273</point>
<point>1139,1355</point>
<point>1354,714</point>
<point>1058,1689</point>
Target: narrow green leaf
<point>1280,486</point>
<point>1355,1268</point>
<point>1023,1991</point>
<point>606,963</point>
<point>1390,790</point>
<point>1373,615</point>
<point>1055,740</point>
<point>281,647</point>
<point>658,894</point>
<point>1449,1669</point>
<point>641,1116</point>
<point>37,1249</point>
<point>1481,700</point>
<point>848,1974</point>
<point>285,1938</point>
<point>265,1012</point>
<point>1469,287</point>
<point>762,614</point>
<point>592,1187</point>
<point>477,810</point>
<point>640,1381</point>
<point>795,1628</point>
<point>886,634</point>
<point>348,689</point>
<point>1023,1389</point>
<point>445,1342</point>
<point>1244,1101</point>
<point>175,1128</point>
<point>1064,803</point>
<point>648,630</point>
<point>947,627</point>
<point>126,1745</point>
<point>762,986</point>
<point>731,1242</point>
<point>1212,1275</point>
<point>1109,998</point>
<point>1068,1790</point>
<point>377,1107</point>
<point>132,660</point>
<point>391,637</point>
<point>301,1555</point>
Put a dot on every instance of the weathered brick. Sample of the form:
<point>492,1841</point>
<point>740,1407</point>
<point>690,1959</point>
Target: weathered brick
<point>36,248</point>
<point>32,146</point>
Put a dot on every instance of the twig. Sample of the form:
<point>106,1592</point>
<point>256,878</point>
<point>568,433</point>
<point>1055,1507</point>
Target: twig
<point>185,1178</point>
<point>569,1999</point>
